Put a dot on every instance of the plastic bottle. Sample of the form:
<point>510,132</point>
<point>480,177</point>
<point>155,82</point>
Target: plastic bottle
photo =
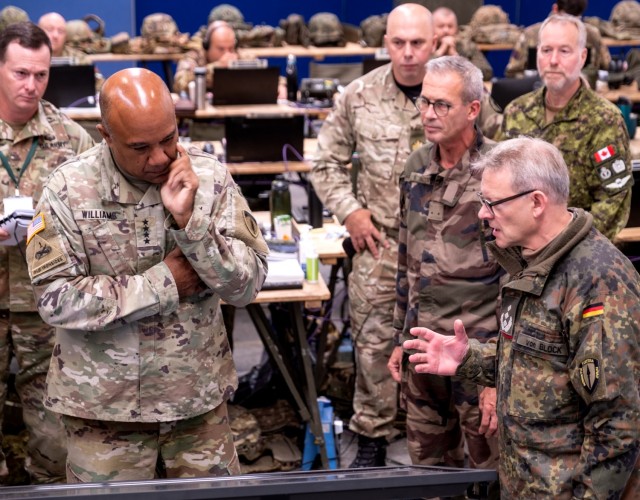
<point>303,244</point>
<point>201,87</point>
<point>279,200</point>
<point>292,78</point>
<point>313,264</point>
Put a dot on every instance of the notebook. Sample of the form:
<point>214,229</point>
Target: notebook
<point>71,86</point>
<point>263,138</point>
<point>245,86</point>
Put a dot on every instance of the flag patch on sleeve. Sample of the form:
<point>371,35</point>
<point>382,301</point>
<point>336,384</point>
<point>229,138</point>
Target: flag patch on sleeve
<point>593,310</point>
<point>37,225</point>
<point>604,154</point>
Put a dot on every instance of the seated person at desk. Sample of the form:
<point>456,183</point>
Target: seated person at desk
<point>218,50</point>
<point>600,56</point>
<point>450,43</point>
<point>55,26</point>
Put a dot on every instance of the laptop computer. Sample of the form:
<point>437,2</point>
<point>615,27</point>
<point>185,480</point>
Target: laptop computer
<point>71,86</point>
<point>245,86</point>
<point>262,138</point>
<point>505,90</point>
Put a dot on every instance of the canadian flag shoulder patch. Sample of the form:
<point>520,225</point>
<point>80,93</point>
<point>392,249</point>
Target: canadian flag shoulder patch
<point>604,154</point>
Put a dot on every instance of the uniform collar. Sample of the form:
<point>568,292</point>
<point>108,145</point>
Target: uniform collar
<point>38,125</point>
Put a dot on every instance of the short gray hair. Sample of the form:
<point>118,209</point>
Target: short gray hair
<point>567,19</point>
<point>473,87</point>
<point>533,164</point>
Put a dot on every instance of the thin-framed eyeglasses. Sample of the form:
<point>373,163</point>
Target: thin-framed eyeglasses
<point>440,108</point>
<point>490,204</point>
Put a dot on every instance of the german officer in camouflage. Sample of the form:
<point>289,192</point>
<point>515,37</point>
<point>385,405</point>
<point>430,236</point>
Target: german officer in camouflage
<point>451,43</point>
<point>132,248</point>
<point>445,270</point>
<point>35,137</point>
<point>588,129</point>
<point>600,56</point>
<point>567,362</point>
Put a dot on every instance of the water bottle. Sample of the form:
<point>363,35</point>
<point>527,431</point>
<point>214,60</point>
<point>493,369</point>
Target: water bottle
<point>279,200</point>
<point>292,78</point>
<point>201,87</point>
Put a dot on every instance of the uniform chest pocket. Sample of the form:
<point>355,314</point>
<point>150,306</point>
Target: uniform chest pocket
<point>109,247</point>
<point>381,138</point>
<point>540,386</point>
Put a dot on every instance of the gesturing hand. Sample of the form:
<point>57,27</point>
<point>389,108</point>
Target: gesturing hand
<point>178,192</point>
<point>441,354</point>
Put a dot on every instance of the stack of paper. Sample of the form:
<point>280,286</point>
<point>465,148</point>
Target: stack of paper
<point>283,274</point>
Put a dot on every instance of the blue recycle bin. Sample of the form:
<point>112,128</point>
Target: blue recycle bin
<point>311,448</point>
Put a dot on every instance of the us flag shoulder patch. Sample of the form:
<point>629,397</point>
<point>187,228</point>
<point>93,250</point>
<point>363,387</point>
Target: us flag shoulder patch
<point>37,225</point>
<point>604,154</point>
<point>593,310</point>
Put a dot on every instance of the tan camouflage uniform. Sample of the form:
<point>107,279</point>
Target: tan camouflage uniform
<point>567,368</point>
<point>468,48</point>
<point>185,70</point>
<point>587,125</point>
<point>128,349</point>
<point>374,118</point>
<point>21,329</point>
<point>445,271</point>
<point>600,56</point>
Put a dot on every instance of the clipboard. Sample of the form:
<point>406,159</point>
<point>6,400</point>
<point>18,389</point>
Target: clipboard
<point>16,225</point>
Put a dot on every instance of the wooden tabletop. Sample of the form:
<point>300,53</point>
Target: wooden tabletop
<point>631,92</point>
<point>629,235</point>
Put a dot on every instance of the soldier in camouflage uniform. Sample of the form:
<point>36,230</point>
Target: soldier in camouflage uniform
<point>376,117</point>
<point>587,128</point>
<point>35,137</point>
<point>450,43</point>
<point>600,56</point>
<point>134,245</point>
<point>218,50</point>
<point>567,362</point>
<point>444,268</point>
<point>55,27</point>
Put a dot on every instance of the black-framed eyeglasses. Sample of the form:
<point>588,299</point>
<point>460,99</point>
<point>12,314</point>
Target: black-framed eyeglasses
<point>490,204</point>
<point>440,108</point>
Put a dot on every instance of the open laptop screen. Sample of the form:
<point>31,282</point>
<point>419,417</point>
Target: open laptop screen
<point>245,85</point>
<point>71,86</point>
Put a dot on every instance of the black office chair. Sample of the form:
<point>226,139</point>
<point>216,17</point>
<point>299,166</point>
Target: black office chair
<point>505,90</point>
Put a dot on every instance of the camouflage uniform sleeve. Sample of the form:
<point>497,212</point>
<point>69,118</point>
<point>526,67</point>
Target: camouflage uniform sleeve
<point>518,59</point>
<point>479,364</point>
<point>603,376</point>
<point>468,48</point>
<point>402,284</point>
<point>185,71</point>
<point>226,247</point>
<point>70,297</point>
<point>330,176</point>
<point>612,197</point>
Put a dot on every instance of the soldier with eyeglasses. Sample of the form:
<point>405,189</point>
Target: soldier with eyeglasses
<point>445,270</point>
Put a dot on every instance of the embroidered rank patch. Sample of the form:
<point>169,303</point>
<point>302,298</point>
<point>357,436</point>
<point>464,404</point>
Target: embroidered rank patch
<point>604,154</point>
<point>589,374</point>
<point>593,310</point>
<point>37,225</point>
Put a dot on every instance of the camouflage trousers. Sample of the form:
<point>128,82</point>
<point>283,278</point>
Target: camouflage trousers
<point>30,340</point>
<point>372,300</point>
<point>100,450</point>
<point>442,412</point>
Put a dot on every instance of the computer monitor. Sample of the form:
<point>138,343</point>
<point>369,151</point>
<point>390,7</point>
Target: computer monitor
<point>262,138</point>
<point>71,86</point>
<point>245,86</point>
<point>505,90</point>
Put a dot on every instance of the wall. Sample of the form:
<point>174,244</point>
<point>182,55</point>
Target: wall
<point>127,15</point>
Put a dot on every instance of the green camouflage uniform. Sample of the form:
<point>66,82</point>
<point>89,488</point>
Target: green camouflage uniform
<point>592,136</point>
<point>22,332</point>
<point>600,56</point>
<point>445,271</point>
<point>567,368</point>
<point>374,118</point>
<point>128,349</point>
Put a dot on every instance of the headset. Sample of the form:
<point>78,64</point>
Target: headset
<point>215,25</point>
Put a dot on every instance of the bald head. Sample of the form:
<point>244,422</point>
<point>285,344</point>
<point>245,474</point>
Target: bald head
<point>134,92</point>
<point>55,26</point>
<point>221,46</point>
<point>409,40</point>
